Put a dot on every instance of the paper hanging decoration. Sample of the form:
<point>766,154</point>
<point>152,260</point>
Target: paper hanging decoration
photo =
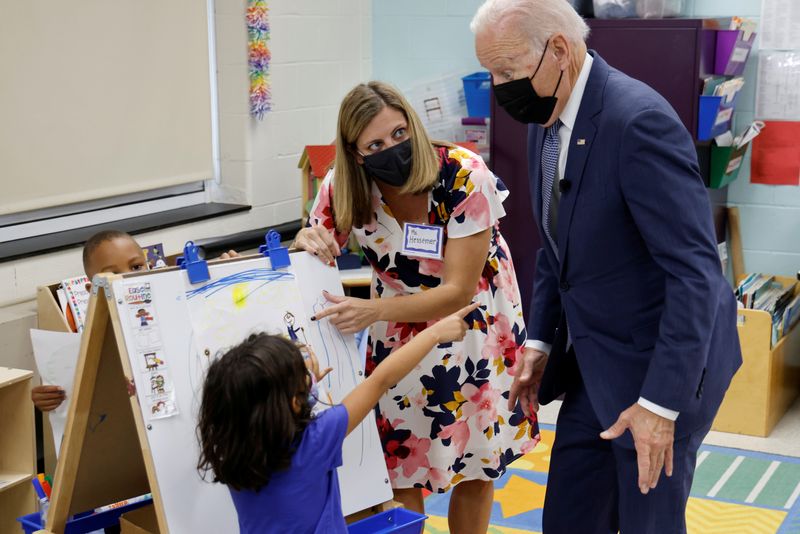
<point>258,58</point>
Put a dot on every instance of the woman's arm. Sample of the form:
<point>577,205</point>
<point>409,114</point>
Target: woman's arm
<point>464,260</point>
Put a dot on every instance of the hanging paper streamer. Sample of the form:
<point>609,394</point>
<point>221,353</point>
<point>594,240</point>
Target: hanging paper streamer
<point>259,56</point>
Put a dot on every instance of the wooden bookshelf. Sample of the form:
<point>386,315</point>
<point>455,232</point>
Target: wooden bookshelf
<point>17,448</point>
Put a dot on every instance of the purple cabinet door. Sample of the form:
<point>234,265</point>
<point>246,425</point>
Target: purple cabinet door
<point>509,158</point>
<point>669,55</point>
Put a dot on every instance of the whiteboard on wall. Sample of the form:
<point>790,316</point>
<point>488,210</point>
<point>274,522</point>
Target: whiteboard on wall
<point>102,98</point>
<point>159,312</point>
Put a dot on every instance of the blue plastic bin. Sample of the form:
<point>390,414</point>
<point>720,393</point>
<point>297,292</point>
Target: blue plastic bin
<point>477,91</point>
<point>395,521</point>
<point>82,523</point>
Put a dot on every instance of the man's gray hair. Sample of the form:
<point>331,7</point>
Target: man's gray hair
<point>536,19</point>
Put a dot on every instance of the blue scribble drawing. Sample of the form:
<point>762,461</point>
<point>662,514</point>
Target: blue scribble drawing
<point>338,346</point>
<point>252,275</point>
<point>338,342</point>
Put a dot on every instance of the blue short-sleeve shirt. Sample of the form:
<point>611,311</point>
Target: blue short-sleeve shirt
<point>305,497</point>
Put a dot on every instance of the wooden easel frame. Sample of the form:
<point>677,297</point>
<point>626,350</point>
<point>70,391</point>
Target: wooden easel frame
<point>105,455</point>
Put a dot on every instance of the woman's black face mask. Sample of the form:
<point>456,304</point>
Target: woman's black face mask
<point>520,100</point>
<point>392,165</point>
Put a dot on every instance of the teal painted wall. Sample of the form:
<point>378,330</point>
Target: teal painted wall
<point>420,39</point>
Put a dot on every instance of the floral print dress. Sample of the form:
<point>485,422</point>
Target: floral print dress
<point>447,421</point>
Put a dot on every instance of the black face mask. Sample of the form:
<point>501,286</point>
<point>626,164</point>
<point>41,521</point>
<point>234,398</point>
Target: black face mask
<point>520,100</point>
<point>393,165</point>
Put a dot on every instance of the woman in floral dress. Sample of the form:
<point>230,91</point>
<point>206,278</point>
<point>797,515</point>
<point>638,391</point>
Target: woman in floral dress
<point>446,425</point>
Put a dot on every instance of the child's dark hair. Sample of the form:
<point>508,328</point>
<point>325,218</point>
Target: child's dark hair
<point>247,427</point>
<point>98,239</point>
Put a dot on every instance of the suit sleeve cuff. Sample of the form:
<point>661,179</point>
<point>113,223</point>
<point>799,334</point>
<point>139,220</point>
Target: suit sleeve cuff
<point>666,413</point>
<point>535,344</point>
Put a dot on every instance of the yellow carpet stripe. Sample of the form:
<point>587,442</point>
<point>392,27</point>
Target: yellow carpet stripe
<point>715,517</point>
<point>438,525</point>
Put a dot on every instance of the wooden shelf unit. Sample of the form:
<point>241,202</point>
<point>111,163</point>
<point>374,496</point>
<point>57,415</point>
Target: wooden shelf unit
<point>17,448</point>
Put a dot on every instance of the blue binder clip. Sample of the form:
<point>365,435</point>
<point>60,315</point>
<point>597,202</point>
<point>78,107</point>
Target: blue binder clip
<point>193,264</point>
<point>278,255</point>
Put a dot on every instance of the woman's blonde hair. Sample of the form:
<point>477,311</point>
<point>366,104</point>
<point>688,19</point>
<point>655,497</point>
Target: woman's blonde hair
<point>352,197</point>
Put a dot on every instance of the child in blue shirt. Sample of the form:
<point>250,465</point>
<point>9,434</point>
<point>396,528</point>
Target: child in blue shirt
<point>257,434</point>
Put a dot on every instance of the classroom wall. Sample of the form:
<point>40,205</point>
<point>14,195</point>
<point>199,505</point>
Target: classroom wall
<point>314,63</point>
<point>770,215</point>
<point>421,39</point>
<point>417,40</point>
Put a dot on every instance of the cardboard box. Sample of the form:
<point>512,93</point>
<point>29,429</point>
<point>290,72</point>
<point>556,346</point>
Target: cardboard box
<point>140,521</point>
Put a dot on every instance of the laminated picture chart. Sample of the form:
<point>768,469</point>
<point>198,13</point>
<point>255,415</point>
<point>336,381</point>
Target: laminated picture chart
<point>778,94</point>
<point>174,330</point>
<point>780,24</point>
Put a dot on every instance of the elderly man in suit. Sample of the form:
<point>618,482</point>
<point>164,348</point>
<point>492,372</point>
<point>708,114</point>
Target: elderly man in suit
<point>632,320</point>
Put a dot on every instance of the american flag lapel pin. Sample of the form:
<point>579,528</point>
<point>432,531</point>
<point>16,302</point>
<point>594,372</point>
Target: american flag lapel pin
<point>581,142</point>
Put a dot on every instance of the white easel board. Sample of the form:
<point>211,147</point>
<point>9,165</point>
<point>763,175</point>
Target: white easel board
<point>160,311</point>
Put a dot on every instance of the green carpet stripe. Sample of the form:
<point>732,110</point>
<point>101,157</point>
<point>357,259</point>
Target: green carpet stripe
<point>780,486</point>
<point>709,472</point>
<point>743,480</point>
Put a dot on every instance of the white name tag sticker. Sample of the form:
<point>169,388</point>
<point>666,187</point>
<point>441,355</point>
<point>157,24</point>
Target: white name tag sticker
<point>422,240</point>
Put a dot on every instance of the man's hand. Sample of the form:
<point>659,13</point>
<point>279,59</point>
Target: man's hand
<point>653,436</point>
<point>527,377</point>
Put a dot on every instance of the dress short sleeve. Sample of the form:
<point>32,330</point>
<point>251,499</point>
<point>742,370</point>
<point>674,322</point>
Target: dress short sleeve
<point>476,195</point>
<point>321,212</point>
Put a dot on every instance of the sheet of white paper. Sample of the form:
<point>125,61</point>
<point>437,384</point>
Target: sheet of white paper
<point>722,249</point>
<point>725,139</point>
<point>778,94</point>
<point>780,24</point>
<point>56,355</point>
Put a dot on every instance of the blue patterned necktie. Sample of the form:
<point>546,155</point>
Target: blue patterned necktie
<point>549,198</point>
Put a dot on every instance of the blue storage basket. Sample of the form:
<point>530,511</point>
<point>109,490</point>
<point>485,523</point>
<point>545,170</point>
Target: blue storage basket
<point>82,523</point>
<point>710,108</point>
<point>477,91</point>
<point>395,521</point>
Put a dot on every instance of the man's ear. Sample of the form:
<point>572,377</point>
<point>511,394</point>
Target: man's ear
<point>561,48</point>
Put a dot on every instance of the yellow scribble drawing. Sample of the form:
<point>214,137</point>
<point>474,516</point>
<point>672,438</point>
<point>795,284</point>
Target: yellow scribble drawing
<point>239,294</point>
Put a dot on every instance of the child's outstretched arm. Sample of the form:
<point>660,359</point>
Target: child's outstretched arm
<point>391,370</point>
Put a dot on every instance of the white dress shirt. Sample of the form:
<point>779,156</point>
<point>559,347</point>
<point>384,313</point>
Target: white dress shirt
<point>568,117</point>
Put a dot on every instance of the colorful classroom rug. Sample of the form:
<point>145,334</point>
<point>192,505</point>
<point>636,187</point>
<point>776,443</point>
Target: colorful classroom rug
<point>734,492</point>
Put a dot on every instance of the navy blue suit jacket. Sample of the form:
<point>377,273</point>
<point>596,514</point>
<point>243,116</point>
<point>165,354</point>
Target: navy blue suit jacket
<point>638,276</point>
